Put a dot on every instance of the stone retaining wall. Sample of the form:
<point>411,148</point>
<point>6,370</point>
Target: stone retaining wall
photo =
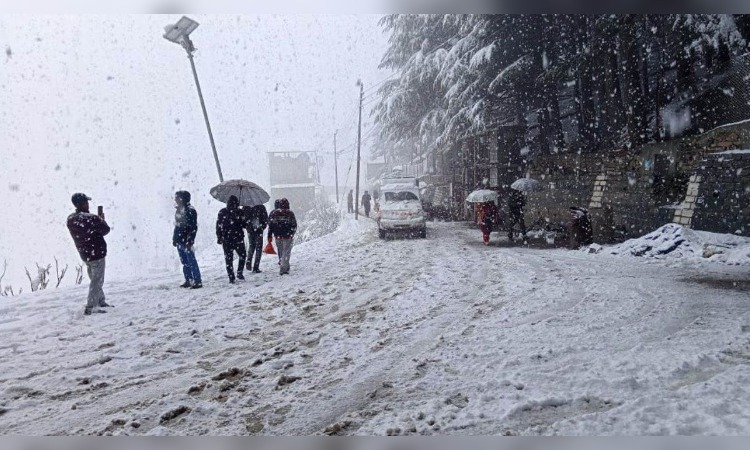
<point>692,181</point>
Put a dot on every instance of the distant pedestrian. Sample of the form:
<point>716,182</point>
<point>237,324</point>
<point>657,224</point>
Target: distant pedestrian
<point>350,201</point>
<point>183,237</point>
<point>282,224</point>
<point>579,227</point>
<point>490,220</point>
<point>376,200</point>
<point>231,236</point>
<point>88,231</point>
<point>256,220</point>
<point>366,203</point>
<point>516,203</point>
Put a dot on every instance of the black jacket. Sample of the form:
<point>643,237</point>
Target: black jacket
<point>88,231</point>
<point>282,224</point>
<point>185,225</point>
<point>516,201</point>
<point>256,215</point>
<point>229,225</point>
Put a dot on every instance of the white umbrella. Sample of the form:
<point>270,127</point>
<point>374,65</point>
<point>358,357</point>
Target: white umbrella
<point>527,185</point>
<point>482,196</point>
<point>249,193</point>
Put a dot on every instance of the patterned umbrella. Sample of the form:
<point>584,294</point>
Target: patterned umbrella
<point>527,185</point>
<point>482,196</point>
<point>249,193</point>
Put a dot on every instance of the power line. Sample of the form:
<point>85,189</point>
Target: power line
<point>384,80</point>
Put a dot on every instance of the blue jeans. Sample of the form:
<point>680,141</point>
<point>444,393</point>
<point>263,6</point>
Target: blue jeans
<point>189,264</point>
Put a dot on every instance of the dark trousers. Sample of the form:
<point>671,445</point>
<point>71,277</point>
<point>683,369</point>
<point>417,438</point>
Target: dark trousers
<point>516,217</point>
<point>367,209</point>
<point>255,245</point>
<point>229,249</point>
<point>350,207</point>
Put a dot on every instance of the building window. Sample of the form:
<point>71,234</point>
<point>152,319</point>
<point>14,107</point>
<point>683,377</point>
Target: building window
<point>493,177</point>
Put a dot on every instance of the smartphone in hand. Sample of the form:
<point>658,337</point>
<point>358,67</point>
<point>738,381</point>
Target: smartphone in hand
<point>100,211</point>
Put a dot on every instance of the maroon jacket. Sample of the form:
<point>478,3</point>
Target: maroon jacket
<point>282,224</point>
<point>88,231</point>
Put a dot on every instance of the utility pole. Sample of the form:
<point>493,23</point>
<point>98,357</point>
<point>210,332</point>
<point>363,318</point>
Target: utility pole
<point>359,145</point>
<point>336,165</point>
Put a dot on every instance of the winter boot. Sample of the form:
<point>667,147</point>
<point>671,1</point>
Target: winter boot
<point>185,284</point>
<point>240,276</point>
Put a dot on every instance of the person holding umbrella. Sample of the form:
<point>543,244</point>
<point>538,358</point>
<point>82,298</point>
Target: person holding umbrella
<point>516,203</point>
<point>231,236</point>
<point>256,220</point>
<point>490,218</point>
<point>246,194</point>
<point>183,237</point>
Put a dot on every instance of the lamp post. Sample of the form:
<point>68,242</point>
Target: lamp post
<point>179,34</point>
<point>336,164</point>
<point>359,144</point>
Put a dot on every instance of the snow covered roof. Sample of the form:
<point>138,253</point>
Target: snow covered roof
<point>296,185</point>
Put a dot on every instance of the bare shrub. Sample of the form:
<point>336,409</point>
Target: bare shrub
<point>324,218</point>
<point>40,281</point>
<point>58,273</point>
<point>7,291</point>
<point>79,274</point>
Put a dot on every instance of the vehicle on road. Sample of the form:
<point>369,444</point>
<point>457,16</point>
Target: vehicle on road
<point>401,208</point>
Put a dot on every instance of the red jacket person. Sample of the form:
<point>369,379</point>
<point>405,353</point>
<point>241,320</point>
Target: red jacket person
<point>88,231</point>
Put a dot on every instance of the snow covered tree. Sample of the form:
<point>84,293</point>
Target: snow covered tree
<point>462,74</point>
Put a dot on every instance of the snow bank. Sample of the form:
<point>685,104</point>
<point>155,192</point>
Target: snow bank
<point>673,241</point>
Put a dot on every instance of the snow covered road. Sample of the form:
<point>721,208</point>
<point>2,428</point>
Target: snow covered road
<point>442,335</point>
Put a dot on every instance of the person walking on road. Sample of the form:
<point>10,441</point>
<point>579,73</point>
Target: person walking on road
<point>490,219</point>
<point>231,236</point>
<point>282,224</point>
<point>183,237</point>
<point>88,231</point>
<point>256,220</point>
<point>366,203</point>
<point>350,201</point>
<point>516,203</point>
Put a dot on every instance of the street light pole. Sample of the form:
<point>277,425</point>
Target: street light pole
<point>336,165</point>
<point>359,145</point>
<point>179,33</point>
<point>190,49</point>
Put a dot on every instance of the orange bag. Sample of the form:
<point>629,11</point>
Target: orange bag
<point>269,247</point>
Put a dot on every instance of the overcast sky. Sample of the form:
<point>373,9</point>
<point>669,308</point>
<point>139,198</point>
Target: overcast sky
<point>106,106</point>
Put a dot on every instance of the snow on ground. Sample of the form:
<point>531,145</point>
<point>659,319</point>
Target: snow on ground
<point>442,335</point>
<point>686,246</point>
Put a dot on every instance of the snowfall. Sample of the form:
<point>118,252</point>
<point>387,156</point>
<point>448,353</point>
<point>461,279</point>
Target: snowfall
<point>397,337</point>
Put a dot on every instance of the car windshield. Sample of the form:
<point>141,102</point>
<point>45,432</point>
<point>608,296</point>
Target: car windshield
<point>400,196</point>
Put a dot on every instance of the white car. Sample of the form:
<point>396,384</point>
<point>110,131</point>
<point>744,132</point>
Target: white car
<point>401,211</point>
